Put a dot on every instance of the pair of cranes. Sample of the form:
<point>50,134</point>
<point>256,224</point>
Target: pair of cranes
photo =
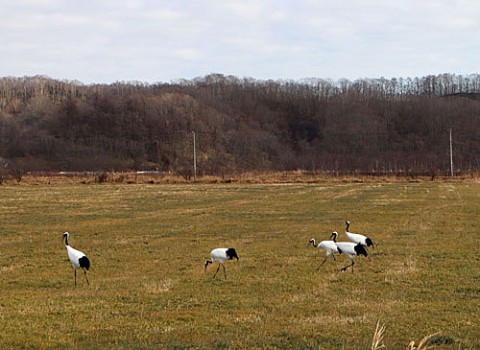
<point>356,247</point>
<point>80,261</point>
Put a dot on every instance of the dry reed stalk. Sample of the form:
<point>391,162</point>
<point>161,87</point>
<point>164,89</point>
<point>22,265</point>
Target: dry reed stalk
<point>423,343</point>
<point>377,341</point>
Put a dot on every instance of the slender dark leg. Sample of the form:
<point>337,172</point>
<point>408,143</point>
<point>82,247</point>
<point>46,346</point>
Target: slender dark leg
<point>218,268</point>
<point>335,259</point>
<point>224,271</point>
<point>85,271</point>
<point>323,262</point>
<point>346,267</point>
<point>75,274</point>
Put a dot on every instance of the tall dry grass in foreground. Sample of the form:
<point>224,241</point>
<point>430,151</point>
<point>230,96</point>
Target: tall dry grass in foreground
<point>377,341</point>
<point>378,344</point>
<point>148,290</point>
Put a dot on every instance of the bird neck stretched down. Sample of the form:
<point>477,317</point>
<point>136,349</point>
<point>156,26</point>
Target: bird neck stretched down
<point>207,262</point>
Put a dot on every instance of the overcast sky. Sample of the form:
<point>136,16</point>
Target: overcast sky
<point>103,41</point>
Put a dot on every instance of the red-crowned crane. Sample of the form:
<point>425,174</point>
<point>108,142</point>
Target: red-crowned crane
<point>358,238</point>
<point>220,255</point>
<point>77,258</point>
<point>329,247</point>
<point>350,249</point>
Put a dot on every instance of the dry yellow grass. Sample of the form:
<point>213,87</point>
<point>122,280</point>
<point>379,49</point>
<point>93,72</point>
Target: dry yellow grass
<point>147,244</point>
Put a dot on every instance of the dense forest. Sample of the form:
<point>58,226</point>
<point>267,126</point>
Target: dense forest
<point>373,126</point>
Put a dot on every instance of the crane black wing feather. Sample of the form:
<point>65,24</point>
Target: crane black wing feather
<point>84,262</point>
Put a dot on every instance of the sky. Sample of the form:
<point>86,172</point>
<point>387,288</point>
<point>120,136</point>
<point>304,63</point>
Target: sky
<point>151,41</point>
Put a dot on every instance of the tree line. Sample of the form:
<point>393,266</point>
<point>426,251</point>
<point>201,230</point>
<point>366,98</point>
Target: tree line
<point>374,126</point>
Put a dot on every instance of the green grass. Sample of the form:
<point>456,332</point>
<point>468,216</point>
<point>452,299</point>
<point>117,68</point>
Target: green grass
<point>147,245</point>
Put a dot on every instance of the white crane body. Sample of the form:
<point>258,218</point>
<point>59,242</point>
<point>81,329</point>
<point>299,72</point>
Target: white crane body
<point>358,238</point>
<point>78,259</point>
<point>350,249</point>
<point>220,255</point>
<point>329,247</point>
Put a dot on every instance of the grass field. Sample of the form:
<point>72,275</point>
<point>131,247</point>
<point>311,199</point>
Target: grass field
<point>148,289</point>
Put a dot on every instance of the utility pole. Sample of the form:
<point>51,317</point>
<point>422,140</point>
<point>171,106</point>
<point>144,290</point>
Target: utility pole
<point>194,158</point>
<point>451,154</point>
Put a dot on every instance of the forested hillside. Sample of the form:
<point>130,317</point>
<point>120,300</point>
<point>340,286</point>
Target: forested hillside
<point>375,126</point>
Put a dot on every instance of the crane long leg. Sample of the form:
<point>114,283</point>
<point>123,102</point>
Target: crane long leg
<point>218,268</point>
<point>326,257</point>
<point>75,274</point>
<point>346,267</point>
<point>224,271</point>
<point>323,262</point>
<point>85,271</point>
<point>335,259</point>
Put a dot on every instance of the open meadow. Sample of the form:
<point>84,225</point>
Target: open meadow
<point>147,244</point>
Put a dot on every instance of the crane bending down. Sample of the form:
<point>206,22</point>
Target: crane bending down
<point>350,249</point>
<point>77,258</point>
<point>330,248</point>
<point>358,238</point>
<point>220,255</point>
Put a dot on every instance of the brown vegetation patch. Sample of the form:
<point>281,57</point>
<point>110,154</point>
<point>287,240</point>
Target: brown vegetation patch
<point>253,178</point>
